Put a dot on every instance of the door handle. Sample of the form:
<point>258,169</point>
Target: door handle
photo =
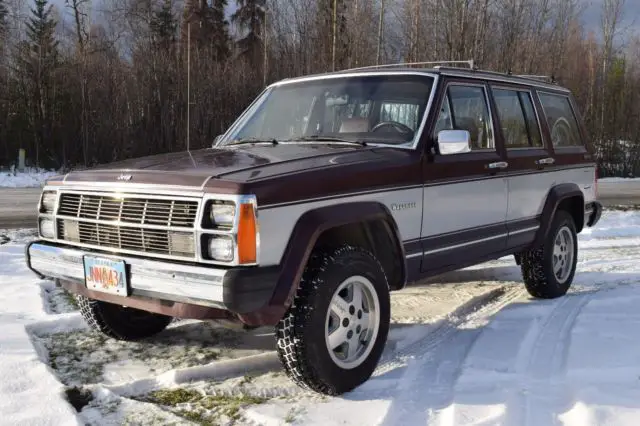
<point>498,165</point>
<point>548,160</point>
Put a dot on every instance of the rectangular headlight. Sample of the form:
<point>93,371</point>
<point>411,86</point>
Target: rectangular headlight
<point>221,248</point>
<point>222,214</point>
<point>48,202</point>
<point>46,228</point>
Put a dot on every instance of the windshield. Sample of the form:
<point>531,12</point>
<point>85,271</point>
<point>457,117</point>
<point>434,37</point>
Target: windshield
<point>382,109</point>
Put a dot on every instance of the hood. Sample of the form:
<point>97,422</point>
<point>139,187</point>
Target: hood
<point>240,163</point>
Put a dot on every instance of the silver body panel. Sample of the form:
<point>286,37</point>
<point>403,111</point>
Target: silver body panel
<point>528,193</point>
<point>458,206</point>
<point>277,222</point>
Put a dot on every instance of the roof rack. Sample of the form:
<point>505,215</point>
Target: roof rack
<point>543,78</point>
<point>437,64</point>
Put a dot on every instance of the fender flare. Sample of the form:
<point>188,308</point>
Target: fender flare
<point>308,229</point>
<point>557,195</point>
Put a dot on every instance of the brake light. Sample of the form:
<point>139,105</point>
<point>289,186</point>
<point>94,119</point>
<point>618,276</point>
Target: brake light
<point>247,235</point>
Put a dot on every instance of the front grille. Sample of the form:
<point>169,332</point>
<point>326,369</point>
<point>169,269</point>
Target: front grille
<point>129,223</point>
<point>172,243</point>
<point>139,210</point>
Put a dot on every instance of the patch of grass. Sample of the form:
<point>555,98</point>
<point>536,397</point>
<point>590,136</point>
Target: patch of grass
<point>173,397</point>
<point>246,379</point>
<point>71,300</point>
<point>230,405</point>
<point>196,417</point>
<point>78,397</point>
<point>202,409</point>
<point>290,417</point>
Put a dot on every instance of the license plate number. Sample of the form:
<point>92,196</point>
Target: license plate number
<point>106,275</point>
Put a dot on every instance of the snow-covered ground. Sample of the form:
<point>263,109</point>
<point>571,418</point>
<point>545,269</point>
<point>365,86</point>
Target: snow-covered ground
<point>29,178</point>
<point>471,348</point>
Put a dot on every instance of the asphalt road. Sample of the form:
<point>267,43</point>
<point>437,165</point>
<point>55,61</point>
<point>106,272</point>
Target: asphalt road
<point>18,205</point>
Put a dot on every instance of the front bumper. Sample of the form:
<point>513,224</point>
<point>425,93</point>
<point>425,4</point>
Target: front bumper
<point>238,290</point>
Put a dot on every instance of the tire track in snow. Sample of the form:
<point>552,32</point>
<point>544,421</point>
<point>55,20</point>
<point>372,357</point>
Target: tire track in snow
<point>427,382</point>
<point>542,358</point>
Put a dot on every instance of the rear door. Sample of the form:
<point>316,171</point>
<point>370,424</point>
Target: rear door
<point>465,195</point>
<point>527,153</point>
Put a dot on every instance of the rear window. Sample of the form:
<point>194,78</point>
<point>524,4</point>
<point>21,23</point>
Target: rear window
<point>561,119</point>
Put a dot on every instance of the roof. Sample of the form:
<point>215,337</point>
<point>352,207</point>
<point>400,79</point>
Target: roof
<point>532,81</point>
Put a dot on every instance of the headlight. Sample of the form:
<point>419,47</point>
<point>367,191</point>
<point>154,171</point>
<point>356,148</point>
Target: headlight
<point>48,202</point>
<point>221,248</point>
<point>46,228</point>
<point>222,214</point>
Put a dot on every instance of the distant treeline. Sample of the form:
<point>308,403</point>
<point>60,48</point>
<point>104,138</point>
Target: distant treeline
<point>81,86</point>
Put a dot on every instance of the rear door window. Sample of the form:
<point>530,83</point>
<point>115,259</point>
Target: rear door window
<point>517,118</point>
<point>561,119</point>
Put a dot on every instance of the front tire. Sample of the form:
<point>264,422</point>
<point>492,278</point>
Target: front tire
<point>548,271</point>
<point>119,322</point>
<point>331,338</point>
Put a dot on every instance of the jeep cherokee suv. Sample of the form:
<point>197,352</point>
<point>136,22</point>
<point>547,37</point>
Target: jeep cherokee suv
<point>327,193</point>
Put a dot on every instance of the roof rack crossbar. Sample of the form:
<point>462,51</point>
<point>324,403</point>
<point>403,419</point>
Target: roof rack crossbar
<point>545,78</point>
<point>470,63</point>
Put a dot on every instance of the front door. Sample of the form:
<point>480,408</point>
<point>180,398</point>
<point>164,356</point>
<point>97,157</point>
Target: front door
<point>465,195</point>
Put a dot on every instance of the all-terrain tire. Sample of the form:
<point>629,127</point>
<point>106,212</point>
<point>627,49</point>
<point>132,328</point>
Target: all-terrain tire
<point>537,264</point>
<point>300,335</point>
<point>119,322</point>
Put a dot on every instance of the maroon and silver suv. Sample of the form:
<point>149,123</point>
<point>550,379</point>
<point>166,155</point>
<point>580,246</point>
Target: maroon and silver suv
<point>328,192</point>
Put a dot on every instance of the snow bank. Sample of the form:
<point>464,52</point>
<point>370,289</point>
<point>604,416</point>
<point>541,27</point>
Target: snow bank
<point>30,178</point>
<point>618,179</point>
<point>29,392</point>
<point>614,224</point>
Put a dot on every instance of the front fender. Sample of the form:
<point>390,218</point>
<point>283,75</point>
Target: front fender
<point>309,228</point>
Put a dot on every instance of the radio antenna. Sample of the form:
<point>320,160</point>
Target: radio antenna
<point>189,93</point>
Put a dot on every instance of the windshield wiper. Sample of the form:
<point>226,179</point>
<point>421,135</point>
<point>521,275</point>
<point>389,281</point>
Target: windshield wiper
<point>318,138</point>
<point>255,140</point>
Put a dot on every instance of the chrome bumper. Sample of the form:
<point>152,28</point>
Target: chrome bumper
<point>149,278</point>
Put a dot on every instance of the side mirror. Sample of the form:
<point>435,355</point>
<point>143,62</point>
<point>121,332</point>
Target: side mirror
<point>216,140</point>
<point>454,142</point>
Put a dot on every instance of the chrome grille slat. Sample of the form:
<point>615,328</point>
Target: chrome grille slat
<point>131,223</point>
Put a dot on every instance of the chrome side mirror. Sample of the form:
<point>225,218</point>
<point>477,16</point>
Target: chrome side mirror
<point>454,142</point>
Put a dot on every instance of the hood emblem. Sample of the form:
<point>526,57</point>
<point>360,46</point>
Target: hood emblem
<point>124,177</point>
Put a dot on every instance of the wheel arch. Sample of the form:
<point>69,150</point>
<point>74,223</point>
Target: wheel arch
<point>369,224</point>
<point>565,196</point>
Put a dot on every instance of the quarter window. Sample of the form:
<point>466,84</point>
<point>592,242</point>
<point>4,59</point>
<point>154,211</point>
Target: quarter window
<point>517,119</point>
<point>466,108</point>
<point>561,119</point>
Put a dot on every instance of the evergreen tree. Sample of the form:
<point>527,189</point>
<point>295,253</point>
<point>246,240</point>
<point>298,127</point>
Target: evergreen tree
<point>3,18</point>
<point>163,26</point>
<point>250,17</point>
<point>209,28</point>
<point>37,62</point>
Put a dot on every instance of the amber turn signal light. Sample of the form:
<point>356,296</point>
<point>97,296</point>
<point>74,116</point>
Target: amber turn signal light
<point>247,234</point>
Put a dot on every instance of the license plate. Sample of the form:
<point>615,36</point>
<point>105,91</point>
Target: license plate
<point>106,275</point>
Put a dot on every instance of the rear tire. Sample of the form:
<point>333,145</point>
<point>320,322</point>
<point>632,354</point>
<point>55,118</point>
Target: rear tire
<point>331,338</point>
<point>119,322</point>
<point>548,270</point>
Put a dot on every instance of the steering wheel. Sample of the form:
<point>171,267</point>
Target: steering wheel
<point>401,128</point>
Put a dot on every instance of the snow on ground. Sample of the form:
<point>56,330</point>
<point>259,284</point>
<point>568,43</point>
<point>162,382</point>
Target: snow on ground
<point>470,348</point>
<point>29,178</point>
